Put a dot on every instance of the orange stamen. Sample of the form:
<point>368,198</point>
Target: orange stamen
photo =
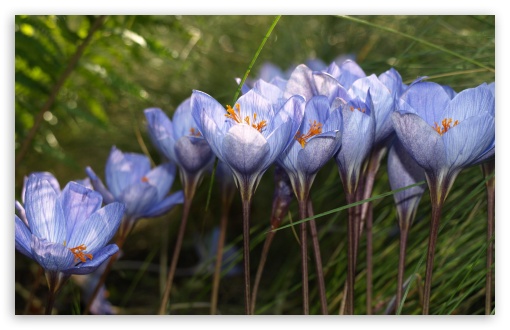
<point>446,124</point>
<point>363,110</point>
<point>235,115</point>
<point>315,128</point>
<point>194,132</point>
<point>145,179</point>
<point>79,253</point>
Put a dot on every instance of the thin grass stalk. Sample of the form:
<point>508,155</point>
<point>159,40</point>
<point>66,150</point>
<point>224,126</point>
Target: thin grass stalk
<point>175,256</point>
<point>318,259</point>
<point>404,231</point>
<point>304,256</point>
<point>265,251</point>
<point>488,168</point>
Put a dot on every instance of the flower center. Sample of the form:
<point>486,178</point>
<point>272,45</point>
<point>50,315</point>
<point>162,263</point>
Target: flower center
<point>353,108</point>
<point>446,124</point>
<point>194,132</point>
<point>315,128</point>
<point>235,115</point>
<point>145,179</point>
<point>79,253</point>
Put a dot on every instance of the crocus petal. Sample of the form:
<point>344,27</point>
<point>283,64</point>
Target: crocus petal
<point>124,169</point>
<point>23,237</point>
<point>43,176</point>
<point>430,108</point>
<point>254,103</point>
<point>327,85</point>
<point>21,212</point>
<point>317,152</point>
<point>165,205</point>
<point>393,81</point>
<point>245,149</point>
<point>90,266</point>
<point>420,140</point>
<point>50,255</point>
<point>194,154</point>
<point>183,120</point>
<point>301,82</point>
<point>350,71</point>
<point>162,177</point>
<point>78,204</point>
<point>138,198</point>
<point>99,186</point>
<point>44,211</point>
<point>209,116</point>
<point>98,229</point>
<point>161,131</point>
<point>466,141</point>
<point>244,88</point>
<point>469,103</point>
<point>279,82</point>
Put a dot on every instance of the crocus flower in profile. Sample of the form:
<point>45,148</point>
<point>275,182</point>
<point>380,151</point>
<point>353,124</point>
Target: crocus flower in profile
<point>180,141</point>
<point>403,171</point>
<point>248,137</point>
<point>67,232</point>
<point>444,136</point>
<point>130,180</point>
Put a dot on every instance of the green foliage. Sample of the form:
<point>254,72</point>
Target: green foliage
<point>136,62</point>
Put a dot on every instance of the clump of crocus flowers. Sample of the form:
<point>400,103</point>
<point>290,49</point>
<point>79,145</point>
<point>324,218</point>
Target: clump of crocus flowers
<point>298,122</point>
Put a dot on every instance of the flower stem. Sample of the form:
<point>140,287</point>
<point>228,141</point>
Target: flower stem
<point>369,259</point>
<point>488,169</point>
<point>175,256</point>
<point>401,267</point>
<point>318,259</point>
<point>437,205</point>
<point>304,256</point>
<point>352,235</point>
<point>246,254</point>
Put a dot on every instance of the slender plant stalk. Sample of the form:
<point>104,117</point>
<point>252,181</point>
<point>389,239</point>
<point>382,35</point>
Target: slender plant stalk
<point>246,254</point>
<point>352,235</point>
<point>304,256</point>
<point>56,89</point>
<point>265,251</point>
<point>175,256</point>
<point>50,302</point>
<point>318,259</point>
<point>437,206</point>
<point>219,254</point>
<point>404,231</point>
<point>369,260</point>
<point>488,168</point>
<point>56,281</point>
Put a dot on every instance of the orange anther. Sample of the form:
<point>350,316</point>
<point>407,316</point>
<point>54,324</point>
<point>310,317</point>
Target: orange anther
<point>315,128</point>
<point>145,179</point>
<point>235,115</point>
<point>79,253</point>
<point>446,124</point>
<point>194,132</point>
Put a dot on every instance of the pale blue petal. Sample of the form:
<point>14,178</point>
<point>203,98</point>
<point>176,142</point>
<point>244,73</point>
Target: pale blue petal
<point>469,103</point>
<point>422,142</point>
<point>194,154</point>
<point>279,82</point>
<point>268,71</point>
<point>78,204</point>
<point>350,71</point>
<point>50,255</point>
<point>161,131</point>
<point>271,92</point>
<point>98,229</point>
<point>245,149</point>
<point>162,177</point>
<point>90,266</point>
<point>254,103</point>
<point>317,152</point>
<point>301,82</point>
<point>165,205</point>
<point>21,212</point>
<point>23,237</point>
<point>334,121</point>
<point>428,99</point>
<point>182,120</point>
<point>43,176</point>
<point>393,81</point>
<point>44,211</point>
<point>138,198</point>
<point>327,85</point>
<point>124,169</point>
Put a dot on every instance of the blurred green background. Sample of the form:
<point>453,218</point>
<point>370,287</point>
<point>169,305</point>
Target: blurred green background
<point>135,62</point>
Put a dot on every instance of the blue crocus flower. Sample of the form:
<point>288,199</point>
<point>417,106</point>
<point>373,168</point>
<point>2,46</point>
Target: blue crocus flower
<point>181,142</point>
<point>143,190</point>
<point>318,139</point>
<point>249,136</point>
<point>66,232</point>
<point>446,135</point>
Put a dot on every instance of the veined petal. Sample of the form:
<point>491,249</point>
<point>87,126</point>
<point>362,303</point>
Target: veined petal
<point>254,103</point>
<point>334,121</point>
<point>44,211</point>
<point>317,152</point>
<point>194,154</point>
<point>98,229</point>
<point>43,176</point>
<point>162,177</point>
<point>89,266</point>
<point>124,169</point>
<point>422,142</point>
<point>138,198</point>
<point>23,237</point>
<point>350,71</point>
<point>21,212</point>
<point>99,186</point>
<point>245,149</point>
<point>161,131</point>
<point>301,82</point>
<point>393,81</point>
<point>271,92</point>
<point>165,205</point>
<point>327,85</point>
<point>209,116</point>
<point>468,140</point>
<point>428,99</point>
<point>279,82</point>
<point>183,120</point>
<point>50,255</point>
<point>470,102</point>
<point>317,108</point>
